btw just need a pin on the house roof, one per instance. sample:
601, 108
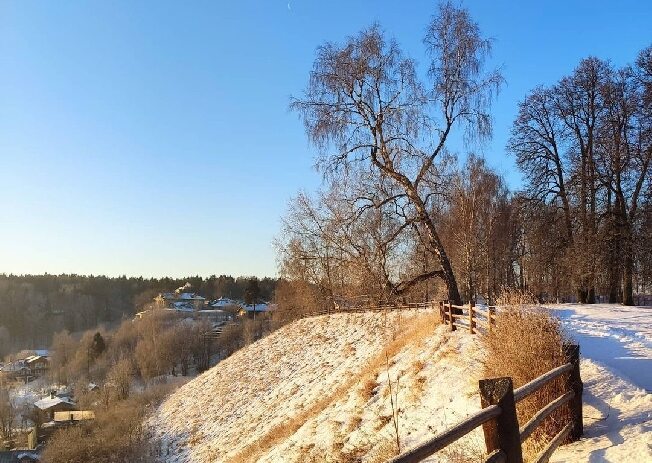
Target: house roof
15, 456
256, 308
50, 402
191, 296
183, 296
14, 366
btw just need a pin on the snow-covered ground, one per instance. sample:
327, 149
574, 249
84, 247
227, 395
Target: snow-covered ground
616, 367
617, 336
318, 390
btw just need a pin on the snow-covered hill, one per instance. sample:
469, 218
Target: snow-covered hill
318, 390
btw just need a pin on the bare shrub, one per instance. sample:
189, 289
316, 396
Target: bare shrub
117, 434
526, 343
516, 297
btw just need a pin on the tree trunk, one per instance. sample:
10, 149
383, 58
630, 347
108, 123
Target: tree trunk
448, 276
628, 271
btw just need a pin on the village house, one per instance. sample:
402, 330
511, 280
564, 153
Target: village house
38, 364
254, 310
183, 301
75, 416
16, 370
53, 403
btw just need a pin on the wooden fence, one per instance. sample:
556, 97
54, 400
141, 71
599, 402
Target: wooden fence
216, 332
474, 319
503, 434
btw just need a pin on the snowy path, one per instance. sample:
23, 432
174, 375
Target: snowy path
616, 348
616, 336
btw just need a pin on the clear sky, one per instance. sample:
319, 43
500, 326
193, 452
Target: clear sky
153, 137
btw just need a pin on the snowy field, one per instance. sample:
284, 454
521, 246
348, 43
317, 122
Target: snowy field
616, 350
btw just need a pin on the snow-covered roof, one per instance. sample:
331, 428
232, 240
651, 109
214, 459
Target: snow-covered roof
183, 307
256, 308
214, 311
182, 297
50, 402
30, 455
223, 302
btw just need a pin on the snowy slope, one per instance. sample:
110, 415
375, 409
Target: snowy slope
317, 390
616, 347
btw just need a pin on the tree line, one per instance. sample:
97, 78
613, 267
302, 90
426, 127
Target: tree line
399, 216
34, 307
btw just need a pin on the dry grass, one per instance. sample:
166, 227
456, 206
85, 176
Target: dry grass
368, 388
526, 343
417, 366
403, 331
382, 451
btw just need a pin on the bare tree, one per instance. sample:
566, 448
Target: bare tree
8, 414
365, 106
585, 146
624, 156
478, 230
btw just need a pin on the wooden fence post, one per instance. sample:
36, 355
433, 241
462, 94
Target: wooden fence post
451, 317
492, 317
574, 383
503, 432
441, 312
471, 322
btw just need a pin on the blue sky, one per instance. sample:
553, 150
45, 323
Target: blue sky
153, 138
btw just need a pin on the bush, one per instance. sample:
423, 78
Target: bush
117, 435
525, 343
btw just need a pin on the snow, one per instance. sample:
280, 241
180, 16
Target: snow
318, 388
256, 307
613, 335
49, 402
616, 368
617, 420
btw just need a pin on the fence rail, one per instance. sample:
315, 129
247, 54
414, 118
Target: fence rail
502, 434
216, 332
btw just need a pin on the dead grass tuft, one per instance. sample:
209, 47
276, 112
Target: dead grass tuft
368, 388
526, 343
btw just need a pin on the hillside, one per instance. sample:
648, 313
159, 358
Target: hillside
317, 390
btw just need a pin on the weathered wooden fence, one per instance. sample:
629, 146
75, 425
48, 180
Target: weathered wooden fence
503, 434
216, 332
474, 319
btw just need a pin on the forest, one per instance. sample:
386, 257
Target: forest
34, 307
